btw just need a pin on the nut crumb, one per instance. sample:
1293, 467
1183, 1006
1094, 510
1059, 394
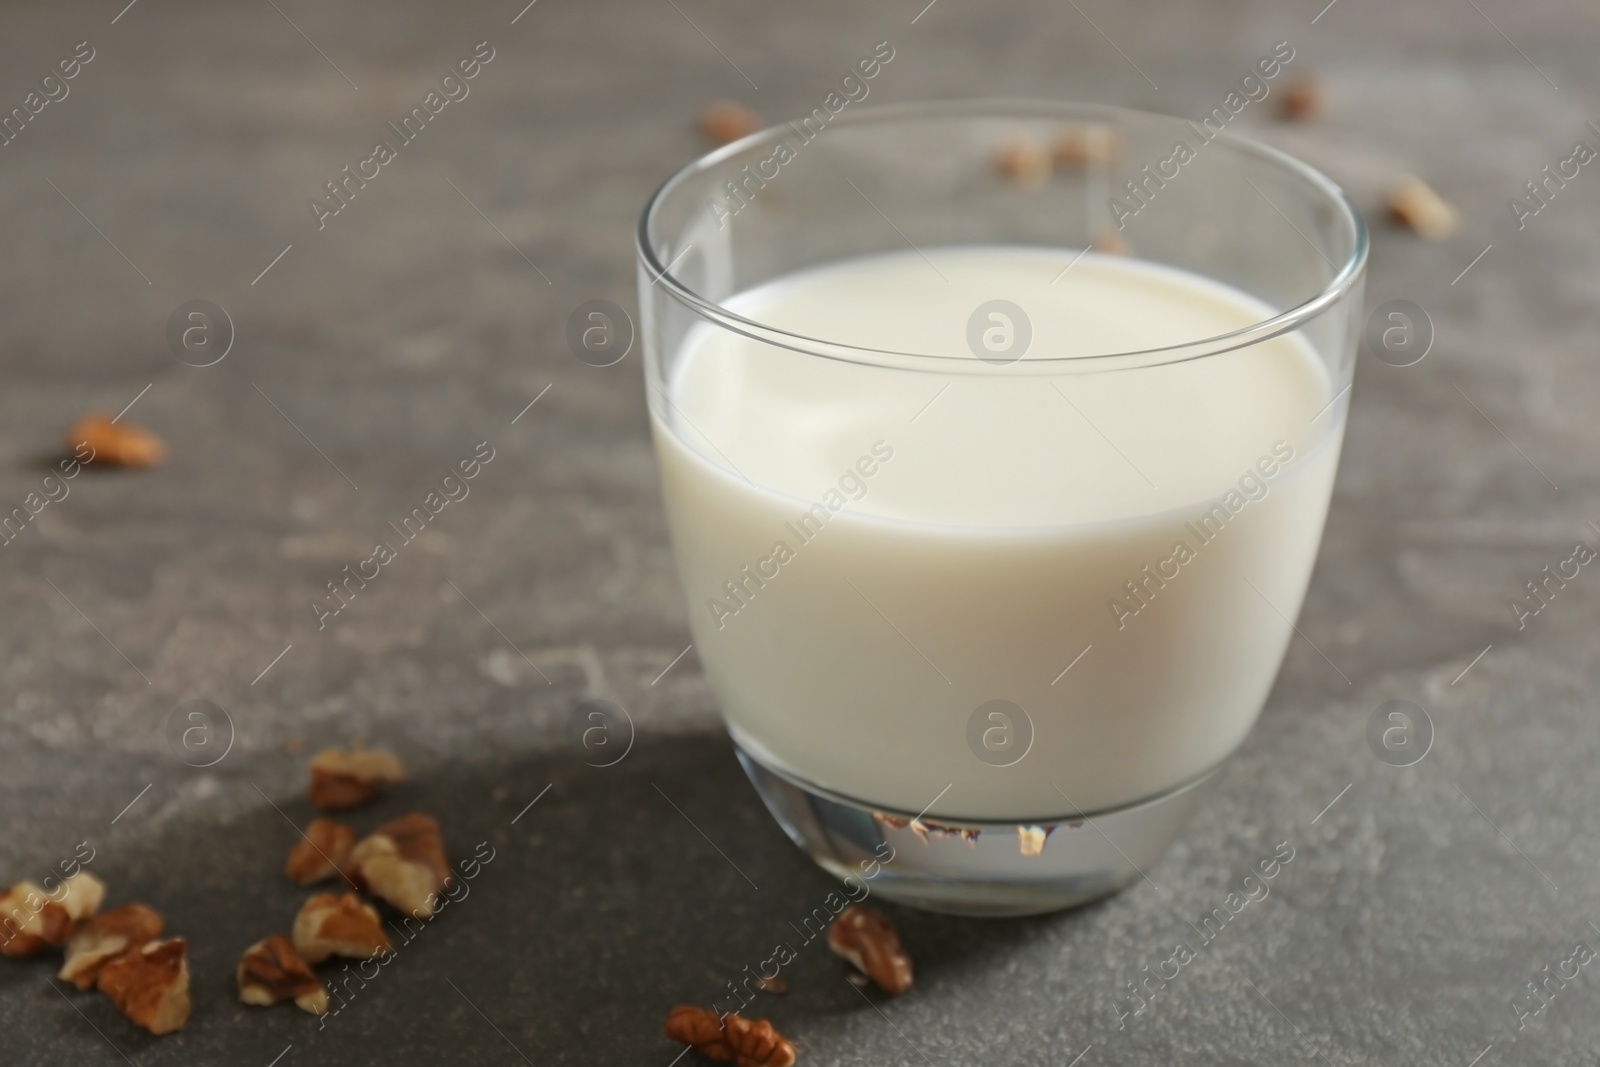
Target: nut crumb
746, 1042
774, 985
1031, 839
330, 925
725, 121
866, 938
271, 970
1077, 147
1023, 161
403, 862
1302, 100
1111, 243
1413, 203
322, 852
342, 779
98, 940
119, 444
150, 985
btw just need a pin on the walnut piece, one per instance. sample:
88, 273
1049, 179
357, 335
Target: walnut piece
348, 779
330, 925
746, 1042
150, 985
1077, 147
120, 444
403, 862
271, 970
1413, 203
1023, 161
865, 937
1111, 243
1302, 100
97, 941
31, 919
724, 121
322, 852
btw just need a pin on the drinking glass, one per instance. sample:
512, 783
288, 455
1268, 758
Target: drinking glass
929, 525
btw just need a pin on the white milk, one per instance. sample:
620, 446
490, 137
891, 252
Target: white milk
966, 545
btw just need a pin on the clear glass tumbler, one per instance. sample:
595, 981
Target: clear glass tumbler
995, 440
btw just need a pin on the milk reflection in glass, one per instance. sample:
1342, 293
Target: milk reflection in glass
870, 555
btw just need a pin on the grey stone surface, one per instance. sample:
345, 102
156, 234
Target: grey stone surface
413, 327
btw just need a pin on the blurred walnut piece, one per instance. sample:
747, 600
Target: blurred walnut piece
1302, 100
866, 938
97, 941
1076, 147
1111, 243
745, 1042
342, 780
150, 985
117, 443
330, 925
1023, 161
322, 852
1413, 203
31, 918
724, 121
404, 863
271, 970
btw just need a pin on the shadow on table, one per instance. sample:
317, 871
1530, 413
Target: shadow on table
619, 893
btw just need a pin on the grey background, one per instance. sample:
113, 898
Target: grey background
409, 329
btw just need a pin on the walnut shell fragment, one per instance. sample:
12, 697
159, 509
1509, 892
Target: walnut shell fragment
322, 852
745, 1042
1413, 203
31, 918
271, 970
341, 779
725, 121
865, 937
119, 444
150, 985
330, 925
95, 942
403, 862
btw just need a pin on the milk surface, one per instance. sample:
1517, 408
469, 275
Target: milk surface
871, 554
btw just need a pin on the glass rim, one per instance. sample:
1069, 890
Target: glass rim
1345, 277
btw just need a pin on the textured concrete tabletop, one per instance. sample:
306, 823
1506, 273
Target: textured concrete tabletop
375, 352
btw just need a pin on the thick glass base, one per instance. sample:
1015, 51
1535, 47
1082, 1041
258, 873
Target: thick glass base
986, 868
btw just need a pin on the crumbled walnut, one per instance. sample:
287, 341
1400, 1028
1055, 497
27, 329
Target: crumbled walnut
1413, 203
150, 985
31, 919
774, 985
1302, 100
1030, 840
865, 937
94, 942
120, 444
271, 970
1077, 147
1111, 243
746, 1042
322, 852
342, 780
1023, 161
330, 925
724, 121
403, 862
